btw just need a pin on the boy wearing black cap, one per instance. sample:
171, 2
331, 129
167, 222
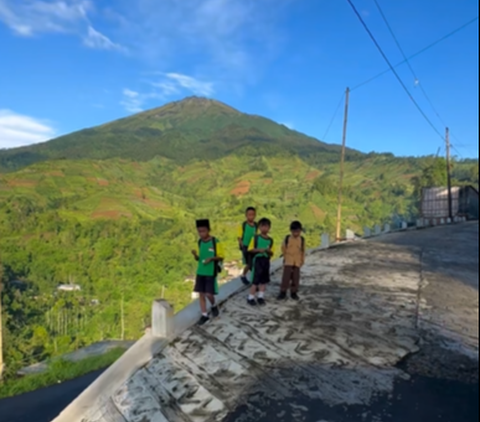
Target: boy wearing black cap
209, 255
261, 248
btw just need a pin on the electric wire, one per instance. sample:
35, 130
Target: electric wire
428, 47
394, 71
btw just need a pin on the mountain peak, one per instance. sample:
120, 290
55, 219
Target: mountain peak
199, 103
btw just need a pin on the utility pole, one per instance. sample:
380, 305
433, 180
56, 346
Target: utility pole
342, 161
449, 176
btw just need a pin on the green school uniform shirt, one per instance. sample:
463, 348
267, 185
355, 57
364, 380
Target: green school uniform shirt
262, 243
247, 236
205, 251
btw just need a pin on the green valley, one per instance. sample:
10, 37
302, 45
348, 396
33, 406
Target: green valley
111, 209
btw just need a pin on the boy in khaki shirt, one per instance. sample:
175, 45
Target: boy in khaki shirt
293, 249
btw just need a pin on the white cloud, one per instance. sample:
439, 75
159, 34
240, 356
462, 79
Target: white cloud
18, 130
31, 17
95, 39
162, 89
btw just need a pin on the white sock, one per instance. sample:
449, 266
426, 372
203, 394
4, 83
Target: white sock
261, 295
251, 297
205, 314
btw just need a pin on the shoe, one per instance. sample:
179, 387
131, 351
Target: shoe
215, 311
245, 280
294, 296
251, 302
203, 320
261, 301
282, 296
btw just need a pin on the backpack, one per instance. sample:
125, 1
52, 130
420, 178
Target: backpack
218, 266
303, 242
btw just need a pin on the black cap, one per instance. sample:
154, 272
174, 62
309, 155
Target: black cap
203, 223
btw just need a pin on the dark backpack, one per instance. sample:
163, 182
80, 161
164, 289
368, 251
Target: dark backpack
218, 267
287, 238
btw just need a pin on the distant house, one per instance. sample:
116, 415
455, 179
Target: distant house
69, 288
434, 203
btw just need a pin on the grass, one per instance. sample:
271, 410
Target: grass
58, 372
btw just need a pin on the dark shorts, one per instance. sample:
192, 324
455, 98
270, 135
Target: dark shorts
261, 271
206, 284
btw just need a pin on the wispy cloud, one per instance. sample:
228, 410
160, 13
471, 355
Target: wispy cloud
95, 39
18, 130
231, 39
164, 86
32, 17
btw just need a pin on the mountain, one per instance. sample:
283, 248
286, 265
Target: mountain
193, 128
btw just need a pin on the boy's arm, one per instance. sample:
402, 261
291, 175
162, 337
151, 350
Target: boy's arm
220, 252
251, 247
240, 235
271, 250
303, 252
196, 253
284, 248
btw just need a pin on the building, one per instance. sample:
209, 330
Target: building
69, 288
434, 203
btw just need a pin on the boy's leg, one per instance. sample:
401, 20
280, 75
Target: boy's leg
255, 281
211, 291
200, 288
295, 282
263, 280
203, 303
246, 266
286, 277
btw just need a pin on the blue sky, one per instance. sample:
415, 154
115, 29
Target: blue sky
71, 64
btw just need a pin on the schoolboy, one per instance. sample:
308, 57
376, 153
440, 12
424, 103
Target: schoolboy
261, 248
209, 254
246, 231
293, 250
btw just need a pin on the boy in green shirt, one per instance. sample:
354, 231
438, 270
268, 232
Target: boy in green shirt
261, 248
209, 255
246, 231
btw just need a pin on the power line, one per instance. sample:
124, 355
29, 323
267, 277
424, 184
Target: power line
428, 47
417, 82
393, 70
333, 117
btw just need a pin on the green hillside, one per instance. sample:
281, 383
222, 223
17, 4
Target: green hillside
112, 209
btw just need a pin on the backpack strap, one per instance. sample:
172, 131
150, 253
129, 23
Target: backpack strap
244, 225
217, 267
287, 238
255, 241
303, 244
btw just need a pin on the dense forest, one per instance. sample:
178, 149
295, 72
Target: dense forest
121, 228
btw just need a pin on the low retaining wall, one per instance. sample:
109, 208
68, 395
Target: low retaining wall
166, 326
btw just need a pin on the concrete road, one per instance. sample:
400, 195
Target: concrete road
45, 404
442, 378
